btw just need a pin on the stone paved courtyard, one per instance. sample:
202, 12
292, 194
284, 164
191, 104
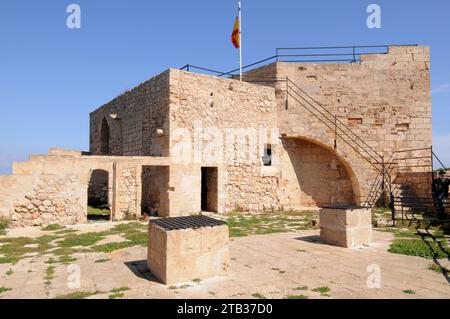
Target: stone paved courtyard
281, 265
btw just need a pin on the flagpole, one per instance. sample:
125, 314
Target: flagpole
240, 41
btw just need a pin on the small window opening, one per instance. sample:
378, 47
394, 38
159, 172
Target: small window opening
267, 157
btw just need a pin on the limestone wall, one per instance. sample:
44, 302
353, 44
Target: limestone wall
203, 102
385, 100
51, 189
141, 112
155, 184
312, 176
53, 199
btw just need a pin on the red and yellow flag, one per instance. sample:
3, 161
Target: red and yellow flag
235, 37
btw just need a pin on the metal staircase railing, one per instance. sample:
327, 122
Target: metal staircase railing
409, 206
352, 54
347, 135
340, 130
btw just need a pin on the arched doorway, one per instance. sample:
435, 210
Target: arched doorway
98, 196
313, 175
104, 138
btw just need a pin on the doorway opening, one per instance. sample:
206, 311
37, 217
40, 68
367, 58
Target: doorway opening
155, 191
209, 192
98, 196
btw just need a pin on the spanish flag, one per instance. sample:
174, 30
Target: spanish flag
235, 36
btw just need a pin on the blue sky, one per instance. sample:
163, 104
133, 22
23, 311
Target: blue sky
51, 77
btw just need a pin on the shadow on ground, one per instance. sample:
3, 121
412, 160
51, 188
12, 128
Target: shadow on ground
99, 218
139, 269
315, 239
436, 261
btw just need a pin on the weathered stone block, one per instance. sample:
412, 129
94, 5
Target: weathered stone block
346, 226
182, 255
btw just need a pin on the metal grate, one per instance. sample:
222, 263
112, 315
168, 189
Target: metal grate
186, 222
343, 207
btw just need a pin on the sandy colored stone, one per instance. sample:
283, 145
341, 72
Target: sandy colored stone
183, 255
346, 226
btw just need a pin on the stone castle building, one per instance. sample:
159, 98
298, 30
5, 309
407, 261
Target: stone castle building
322, 134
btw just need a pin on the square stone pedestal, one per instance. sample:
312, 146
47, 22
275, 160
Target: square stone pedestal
346, 226
185, 248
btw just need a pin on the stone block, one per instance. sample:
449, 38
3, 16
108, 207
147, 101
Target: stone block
182, 255
346, 226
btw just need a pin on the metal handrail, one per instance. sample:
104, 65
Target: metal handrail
279, 56
355, 53
440, 162
349, 47
336, 120
187, 67
331, 127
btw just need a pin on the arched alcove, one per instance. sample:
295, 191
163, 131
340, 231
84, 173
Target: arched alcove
314, 175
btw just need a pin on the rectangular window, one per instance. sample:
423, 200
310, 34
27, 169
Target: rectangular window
267, 157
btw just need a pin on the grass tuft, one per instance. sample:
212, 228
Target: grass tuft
420, 248
49, 275
258, 296
110, 247
52, 227
321, 290
100, 261
438, 268
3, 289
138, 239
297, 297
121, 289
301, 288
77, 295
270, 222
87, 239
66, 231
65, 259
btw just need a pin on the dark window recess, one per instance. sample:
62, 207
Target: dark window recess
267, 157
209, 191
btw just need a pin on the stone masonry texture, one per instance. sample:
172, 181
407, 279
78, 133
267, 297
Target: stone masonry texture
384, 100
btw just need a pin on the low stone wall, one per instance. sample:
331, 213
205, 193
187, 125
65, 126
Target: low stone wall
54, 200
54, 189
